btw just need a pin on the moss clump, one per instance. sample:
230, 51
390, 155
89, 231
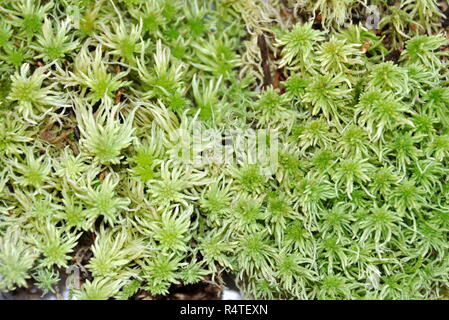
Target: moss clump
164, 143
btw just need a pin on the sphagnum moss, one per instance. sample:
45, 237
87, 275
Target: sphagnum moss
100, 103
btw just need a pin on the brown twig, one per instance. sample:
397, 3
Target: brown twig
261, 42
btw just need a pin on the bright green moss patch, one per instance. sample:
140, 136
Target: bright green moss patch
156, 144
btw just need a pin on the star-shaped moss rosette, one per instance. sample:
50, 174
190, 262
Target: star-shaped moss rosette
155, 144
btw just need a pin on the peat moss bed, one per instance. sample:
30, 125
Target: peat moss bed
162, 149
